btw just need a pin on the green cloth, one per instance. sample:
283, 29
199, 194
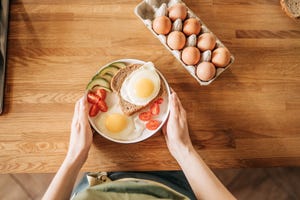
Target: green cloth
129, 190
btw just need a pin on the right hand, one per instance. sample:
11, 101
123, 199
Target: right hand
176, 130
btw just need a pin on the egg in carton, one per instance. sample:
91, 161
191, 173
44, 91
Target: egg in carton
205, 63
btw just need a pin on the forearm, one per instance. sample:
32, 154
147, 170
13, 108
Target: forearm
202, 180
63, 182
80, 142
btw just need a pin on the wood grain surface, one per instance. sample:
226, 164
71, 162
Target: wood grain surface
248, 117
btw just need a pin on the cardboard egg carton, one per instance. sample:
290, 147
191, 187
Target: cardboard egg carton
147, 10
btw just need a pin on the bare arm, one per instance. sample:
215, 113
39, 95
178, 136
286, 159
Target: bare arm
202, 180
80, 142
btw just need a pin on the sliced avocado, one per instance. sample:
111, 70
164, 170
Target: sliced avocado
120, 65
101, 87
107, 77
99, 82
109, 70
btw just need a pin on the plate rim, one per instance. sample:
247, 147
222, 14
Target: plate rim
138, 139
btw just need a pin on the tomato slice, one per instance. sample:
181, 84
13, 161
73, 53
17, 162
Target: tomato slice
102, 106
145, 116
93, 110
92, 98
101, 93
159, 100
154, 108
153, 124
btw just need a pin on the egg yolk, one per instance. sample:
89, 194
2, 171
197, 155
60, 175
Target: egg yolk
144, 87
116, 122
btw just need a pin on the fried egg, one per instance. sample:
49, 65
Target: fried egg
116, 125
141, 86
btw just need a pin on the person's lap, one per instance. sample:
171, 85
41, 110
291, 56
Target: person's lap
173, 179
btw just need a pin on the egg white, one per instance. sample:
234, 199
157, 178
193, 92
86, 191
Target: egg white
131, 131
128, 92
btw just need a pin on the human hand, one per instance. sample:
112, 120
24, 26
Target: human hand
176, 130
81, 133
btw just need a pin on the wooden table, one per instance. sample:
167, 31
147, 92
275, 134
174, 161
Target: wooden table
248, 117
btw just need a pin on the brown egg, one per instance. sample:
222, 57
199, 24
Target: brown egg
191, 26
176, 40
190, 55
206, 41
205, 71
221, 57
162, 25
177, 11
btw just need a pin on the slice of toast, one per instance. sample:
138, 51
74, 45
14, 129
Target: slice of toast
291, 8
116, 84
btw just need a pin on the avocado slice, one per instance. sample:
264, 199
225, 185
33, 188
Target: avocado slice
108, 70
103, 77
120, 65
99, 82
107, 77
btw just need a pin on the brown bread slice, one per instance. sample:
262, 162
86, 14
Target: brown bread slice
116, 84
291, 8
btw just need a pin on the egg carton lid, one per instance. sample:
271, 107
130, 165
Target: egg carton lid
146, 12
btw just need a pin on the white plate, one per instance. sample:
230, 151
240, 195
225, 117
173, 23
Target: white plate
164, 110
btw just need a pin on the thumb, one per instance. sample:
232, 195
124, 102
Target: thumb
164, 129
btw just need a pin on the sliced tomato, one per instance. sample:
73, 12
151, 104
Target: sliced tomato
101, 93
145, 116
154, 108
94, 110
153, 124
159, 100
92, 97
102, 106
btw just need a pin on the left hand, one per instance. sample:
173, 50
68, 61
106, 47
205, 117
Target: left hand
80, 143
81, 133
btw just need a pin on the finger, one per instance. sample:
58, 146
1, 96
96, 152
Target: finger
174, 112
172, 91
172, 106
76, 113
183, 112
174, 101
76, 109
164, 127
81, 108
86, 114
177, 100
84, 108
164, 131
180, 107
